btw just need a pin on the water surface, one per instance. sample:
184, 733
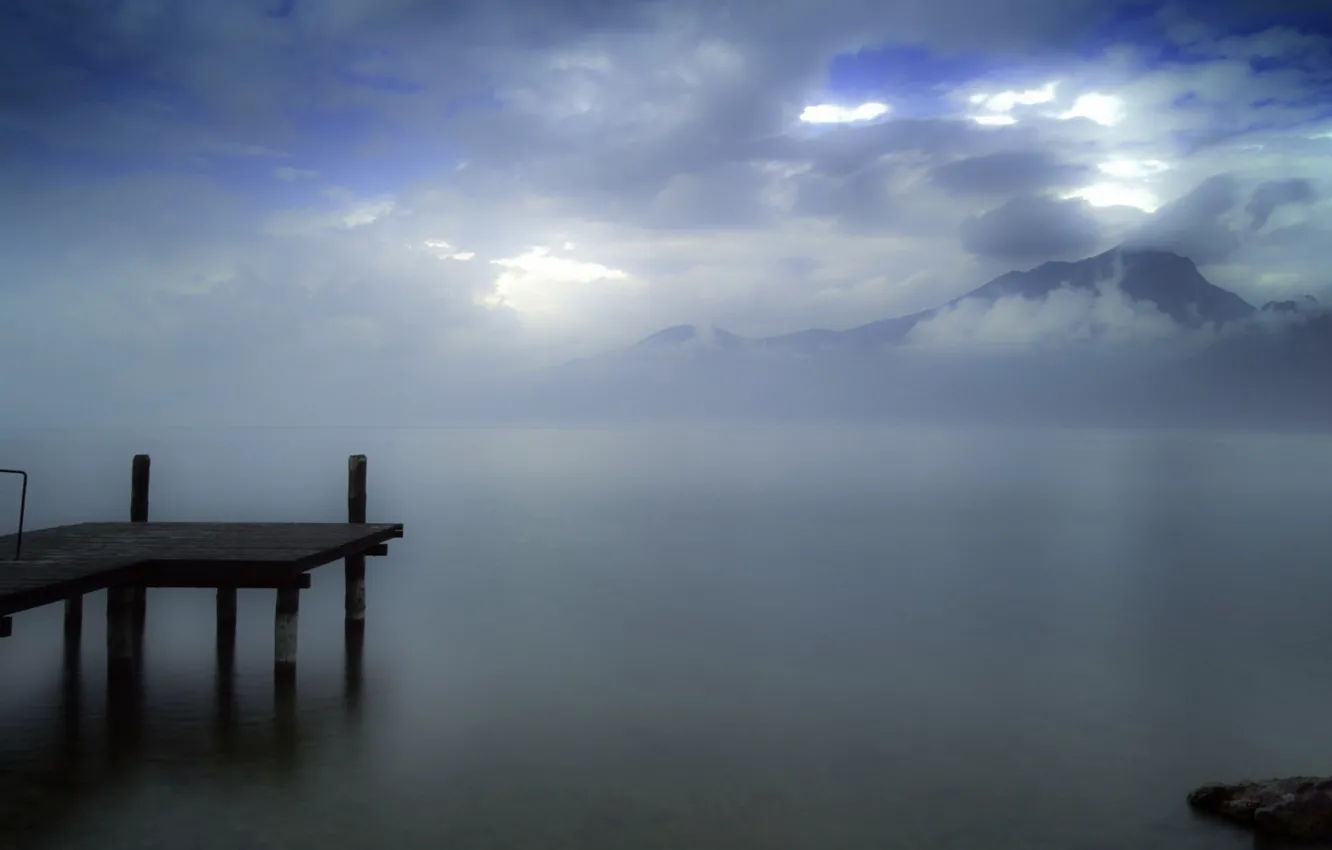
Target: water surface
698, 638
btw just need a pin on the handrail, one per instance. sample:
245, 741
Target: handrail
23, 507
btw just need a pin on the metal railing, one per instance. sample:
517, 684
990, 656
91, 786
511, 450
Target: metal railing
23, 508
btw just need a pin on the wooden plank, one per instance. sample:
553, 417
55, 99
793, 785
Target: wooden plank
230, 540
64, 580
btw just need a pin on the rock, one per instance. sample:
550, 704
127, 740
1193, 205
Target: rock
1298, 807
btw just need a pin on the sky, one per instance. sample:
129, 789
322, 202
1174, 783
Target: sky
243, 200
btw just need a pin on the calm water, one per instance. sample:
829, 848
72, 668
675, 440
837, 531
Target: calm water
702, 638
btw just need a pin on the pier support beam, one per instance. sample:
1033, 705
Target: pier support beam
224, 691
73, 629
120, 640
139, 478
354, 565
284, 632
226, 627
73, 620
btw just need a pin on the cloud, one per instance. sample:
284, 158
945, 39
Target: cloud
1009, 173
1197, 225
1103, 315
348, 212
292, 175
154, 157
1033, 228
1270, 196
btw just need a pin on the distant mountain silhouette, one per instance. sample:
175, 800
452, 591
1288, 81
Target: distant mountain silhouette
1238, 365
1170, 282
686, 334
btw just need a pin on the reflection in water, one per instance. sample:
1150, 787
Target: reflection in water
353, 656
286, 726
124, 711
54, 761
71, 693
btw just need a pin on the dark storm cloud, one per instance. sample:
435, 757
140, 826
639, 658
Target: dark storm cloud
1196, 226
1009, 173
1267, 197
1033, 228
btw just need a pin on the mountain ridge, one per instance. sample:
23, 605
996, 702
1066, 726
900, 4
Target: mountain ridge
1172, 283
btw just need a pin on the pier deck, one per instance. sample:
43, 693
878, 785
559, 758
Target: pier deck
68, 560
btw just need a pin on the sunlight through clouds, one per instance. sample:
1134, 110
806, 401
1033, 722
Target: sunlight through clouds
1117, 195
1106, 110
536, 284
1005, 101
445, 251
998, 106
827, 113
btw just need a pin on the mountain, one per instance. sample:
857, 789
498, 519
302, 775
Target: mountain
1239, 365
682, 335
1168, 281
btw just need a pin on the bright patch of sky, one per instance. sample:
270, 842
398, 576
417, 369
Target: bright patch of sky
827, 113
540, 286
1117, 195
1104, 109
445, 251
1004, 101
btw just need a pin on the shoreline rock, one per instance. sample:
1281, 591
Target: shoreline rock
1297, 808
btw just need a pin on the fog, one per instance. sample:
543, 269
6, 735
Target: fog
706, 634
851, 424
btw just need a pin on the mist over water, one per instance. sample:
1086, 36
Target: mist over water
698, 637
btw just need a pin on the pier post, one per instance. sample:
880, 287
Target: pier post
73, 623
354, 565
139, 513
226, 627
119, 632
284, 632
225, 696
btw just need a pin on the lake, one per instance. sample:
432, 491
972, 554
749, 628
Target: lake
694, 637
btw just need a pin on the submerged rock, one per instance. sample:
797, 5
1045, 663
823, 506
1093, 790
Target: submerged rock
1298, 807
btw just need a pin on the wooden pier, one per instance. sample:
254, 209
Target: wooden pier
127, 558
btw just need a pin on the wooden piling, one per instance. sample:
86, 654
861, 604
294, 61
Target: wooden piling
354, 565
73, 630
226, 626
73, 620
226, 610
225, 696
139, 478
139, 488
285, 631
